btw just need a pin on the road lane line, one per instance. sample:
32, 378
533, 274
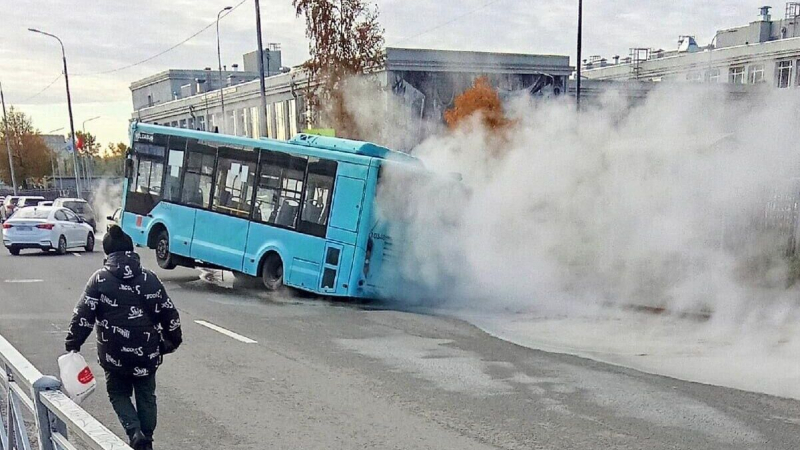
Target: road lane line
228, 333
23, 281
77, 254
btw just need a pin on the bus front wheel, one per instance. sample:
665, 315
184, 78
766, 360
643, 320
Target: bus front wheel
163, 256
272, 272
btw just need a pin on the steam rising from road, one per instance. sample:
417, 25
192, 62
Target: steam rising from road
668, 203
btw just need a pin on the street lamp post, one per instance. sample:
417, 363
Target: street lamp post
69, 107
580, 45
219, 61
86, 169
263, 122
8, 142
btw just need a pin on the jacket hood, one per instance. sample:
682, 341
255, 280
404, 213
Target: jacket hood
124, 266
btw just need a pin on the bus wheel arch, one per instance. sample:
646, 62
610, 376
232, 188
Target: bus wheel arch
271, 270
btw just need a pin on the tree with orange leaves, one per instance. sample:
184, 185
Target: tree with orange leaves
481, 99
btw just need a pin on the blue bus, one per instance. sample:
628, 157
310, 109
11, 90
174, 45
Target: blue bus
300, 213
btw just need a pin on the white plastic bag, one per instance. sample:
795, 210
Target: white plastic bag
76, 376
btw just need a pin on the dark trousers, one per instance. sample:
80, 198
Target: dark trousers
144, 416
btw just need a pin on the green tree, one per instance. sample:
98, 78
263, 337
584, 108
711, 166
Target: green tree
111, 161
91, 147
31, 156
346, 40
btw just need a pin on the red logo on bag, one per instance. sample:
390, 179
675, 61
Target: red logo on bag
86, 376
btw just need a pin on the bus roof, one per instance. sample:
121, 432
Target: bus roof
351, 146
345, 149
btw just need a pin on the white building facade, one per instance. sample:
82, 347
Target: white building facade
766, 52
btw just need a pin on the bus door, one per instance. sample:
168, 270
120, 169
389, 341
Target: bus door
220, 234
178, 219
346, 212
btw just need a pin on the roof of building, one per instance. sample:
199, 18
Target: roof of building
187, 74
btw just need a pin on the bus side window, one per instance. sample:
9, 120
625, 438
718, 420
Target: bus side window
197, 181
319, 192
280, 189
234, 187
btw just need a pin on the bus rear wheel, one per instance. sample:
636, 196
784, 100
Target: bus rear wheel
272, 272
164, 258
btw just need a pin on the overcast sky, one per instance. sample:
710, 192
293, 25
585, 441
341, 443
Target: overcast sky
103, 35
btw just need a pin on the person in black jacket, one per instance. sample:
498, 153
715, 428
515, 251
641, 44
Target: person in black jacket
136, 324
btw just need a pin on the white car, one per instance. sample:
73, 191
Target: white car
46, 228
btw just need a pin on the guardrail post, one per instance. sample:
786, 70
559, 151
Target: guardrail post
46, 423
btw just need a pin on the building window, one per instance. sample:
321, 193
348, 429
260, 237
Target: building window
292, 118
798, 73
755, 74
784, 72
270, 121
280, 121
183, 123
712, 76
201, 123
694, 77
255, 122
241, 122
736, 75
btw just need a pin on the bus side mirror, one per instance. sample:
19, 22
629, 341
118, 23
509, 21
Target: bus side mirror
128, 168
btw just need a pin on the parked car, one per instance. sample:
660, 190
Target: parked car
80, 207
29, 200
46, 228
8, 206
114, 218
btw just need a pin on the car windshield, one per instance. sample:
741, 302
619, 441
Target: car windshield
32, 213
13, 201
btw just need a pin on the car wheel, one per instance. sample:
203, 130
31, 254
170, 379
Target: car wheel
13, 250
163, 256
89, 243
62, 246
272, 272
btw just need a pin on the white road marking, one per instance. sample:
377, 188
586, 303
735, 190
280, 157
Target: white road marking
228, 333
77, 254
23, 281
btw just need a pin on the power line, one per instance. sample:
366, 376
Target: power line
449, 22
118, 69
42, 91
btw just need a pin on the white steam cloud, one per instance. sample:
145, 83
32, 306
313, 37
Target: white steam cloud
668, 203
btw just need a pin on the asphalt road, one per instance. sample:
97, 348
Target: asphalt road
329, 375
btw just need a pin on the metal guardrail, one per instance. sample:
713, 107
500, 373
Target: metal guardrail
53, 412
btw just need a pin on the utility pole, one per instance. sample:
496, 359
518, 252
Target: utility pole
580, 45
221, 85
263, 122
69, 108
8, 143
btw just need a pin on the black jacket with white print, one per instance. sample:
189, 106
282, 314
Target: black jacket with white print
130, 309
